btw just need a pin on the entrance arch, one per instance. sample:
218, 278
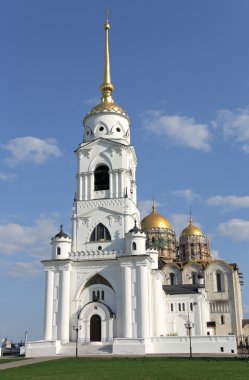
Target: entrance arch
95, 328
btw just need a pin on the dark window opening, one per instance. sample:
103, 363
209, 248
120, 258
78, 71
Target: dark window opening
194, 278
101, 178
102, 295
172, 278
179, 307
58, 251
183, 307
191, 306
171, 307
218, 280
100, 233
134, 246
222, 320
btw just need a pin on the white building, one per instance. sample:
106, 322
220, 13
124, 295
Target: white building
105, 283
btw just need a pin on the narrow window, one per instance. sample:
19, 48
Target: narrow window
134, 246
100, 233
222, 319
183, 307
98, 295
101, 178
194, 278
58, 251
102, 295
179, 307
172, 278
218, 282
94, 296
191, 306
172, 307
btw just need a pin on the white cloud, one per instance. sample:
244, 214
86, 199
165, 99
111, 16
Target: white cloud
32, 240
24, 269
179, 222
179, 130
236, 229
231, 201
30, 150
7, 176
187, 194
215, 254
145, 207
20, 269
235, 125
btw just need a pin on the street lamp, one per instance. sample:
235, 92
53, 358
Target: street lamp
77, 328
189, 325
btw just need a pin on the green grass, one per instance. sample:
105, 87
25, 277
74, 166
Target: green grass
132, 368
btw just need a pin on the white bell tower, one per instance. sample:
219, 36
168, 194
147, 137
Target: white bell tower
105, 207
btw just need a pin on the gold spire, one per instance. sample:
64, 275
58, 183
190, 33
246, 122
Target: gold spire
107, 87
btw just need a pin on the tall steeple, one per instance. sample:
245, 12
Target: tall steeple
107, 87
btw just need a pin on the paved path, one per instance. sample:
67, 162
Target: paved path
20, 363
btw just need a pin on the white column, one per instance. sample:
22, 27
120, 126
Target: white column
85, 185
74, 232
144, 301
116, 184
111, 183
121, 174
64, 305
158, 306
49, 296
127, 302
80, 186
91, 180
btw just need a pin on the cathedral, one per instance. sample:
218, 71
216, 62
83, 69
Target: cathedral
123, 286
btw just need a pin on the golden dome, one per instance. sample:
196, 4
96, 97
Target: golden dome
191, 230
155, 220
108, 107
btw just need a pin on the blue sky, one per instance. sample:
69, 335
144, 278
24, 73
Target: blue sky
180, 69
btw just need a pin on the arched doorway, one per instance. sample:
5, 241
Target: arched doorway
95, 328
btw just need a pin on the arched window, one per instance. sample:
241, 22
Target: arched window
194, 278
101, 178
220, 282
58, 250
100, 233
172, 278
134, 246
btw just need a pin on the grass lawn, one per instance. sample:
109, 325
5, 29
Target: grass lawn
132, 368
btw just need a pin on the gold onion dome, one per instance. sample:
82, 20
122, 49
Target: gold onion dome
107, 102
155, 220
191, 230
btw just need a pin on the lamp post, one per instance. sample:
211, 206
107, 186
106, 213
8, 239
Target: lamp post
77, 328
189, 325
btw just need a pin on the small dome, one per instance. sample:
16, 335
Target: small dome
191, 230
61, 234
155, 220
135, 229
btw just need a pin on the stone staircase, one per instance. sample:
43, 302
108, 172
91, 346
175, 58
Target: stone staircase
87, 349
